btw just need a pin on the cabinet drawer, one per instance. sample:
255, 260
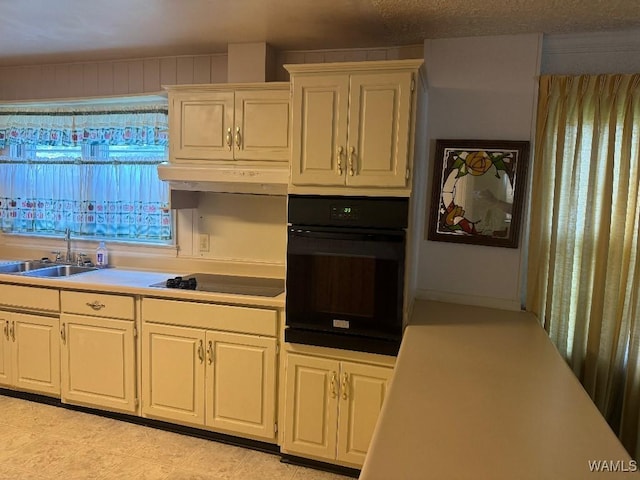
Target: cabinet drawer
32, 298
258, 321
98, 304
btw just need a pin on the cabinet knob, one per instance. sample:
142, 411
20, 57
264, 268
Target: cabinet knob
345, 385
96, 305
340, 150
238, 138
201, 352
210, 352
63, 333
6, 329
352, 152
332, 385
12, 331
229, 138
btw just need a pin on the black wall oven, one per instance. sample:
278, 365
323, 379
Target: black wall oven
345, 272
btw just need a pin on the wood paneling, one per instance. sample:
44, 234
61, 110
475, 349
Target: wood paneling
122, 77
148, 75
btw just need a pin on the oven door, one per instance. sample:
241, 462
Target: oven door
345, 281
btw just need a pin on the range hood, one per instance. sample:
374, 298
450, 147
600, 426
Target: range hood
231, 177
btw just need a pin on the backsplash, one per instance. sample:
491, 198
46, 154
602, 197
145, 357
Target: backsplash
238, 227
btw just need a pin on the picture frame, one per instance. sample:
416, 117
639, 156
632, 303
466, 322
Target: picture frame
478, 191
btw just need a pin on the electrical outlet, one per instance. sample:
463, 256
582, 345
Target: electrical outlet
204, 242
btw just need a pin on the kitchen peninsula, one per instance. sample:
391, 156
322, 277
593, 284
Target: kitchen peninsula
480, 393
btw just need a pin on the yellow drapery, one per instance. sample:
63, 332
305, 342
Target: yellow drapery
584, 265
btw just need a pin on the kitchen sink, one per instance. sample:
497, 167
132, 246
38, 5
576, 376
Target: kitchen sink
23, 266
59, 271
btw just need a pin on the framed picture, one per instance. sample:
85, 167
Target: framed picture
478, 190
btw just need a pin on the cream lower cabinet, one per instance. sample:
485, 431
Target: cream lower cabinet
30, 353
98, 355
215, 379
331, 408
98, 362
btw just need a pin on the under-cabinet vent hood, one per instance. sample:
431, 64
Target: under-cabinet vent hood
226, 178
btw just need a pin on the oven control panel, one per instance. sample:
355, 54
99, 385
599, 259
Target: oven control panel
344, 212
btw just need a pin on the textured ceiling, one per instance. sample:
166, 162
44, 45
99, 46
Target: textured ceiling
48, 31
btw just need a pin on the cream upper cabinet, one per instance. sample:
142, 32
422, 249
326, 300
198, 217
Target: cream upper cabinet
331, 407
30, 353
353, 124
226, 122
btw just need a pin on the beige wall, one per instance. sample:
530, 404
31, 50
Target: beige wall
240, 227
479, 88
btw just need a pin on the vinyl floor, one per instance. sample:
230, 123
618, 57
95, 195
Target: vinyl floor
39, 441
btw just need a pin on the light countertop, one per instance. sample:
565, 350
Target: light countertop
137, 282
480, 393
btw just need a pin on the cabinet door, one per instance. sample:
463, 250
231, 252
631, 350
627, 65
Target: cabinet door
5, 349
173, 373
319, 140
261, 130
241, 386
98, 362
362, 392
200, 126
379, 129
36, 353
311, 406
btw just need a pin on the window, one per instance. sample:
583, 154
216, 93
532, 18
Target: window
90, 168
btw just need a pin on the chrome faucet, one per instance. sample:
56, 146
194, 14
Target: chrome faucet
67, 239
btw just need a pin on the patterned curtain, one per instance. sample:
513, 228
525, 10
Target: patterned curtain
61, 127
112, 198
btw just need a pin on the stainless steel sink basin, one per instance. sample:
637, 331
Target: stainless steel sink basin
59, 271
23, 266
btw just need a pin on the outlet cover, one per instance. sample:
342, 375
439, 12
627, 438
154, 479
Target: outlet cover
204, 242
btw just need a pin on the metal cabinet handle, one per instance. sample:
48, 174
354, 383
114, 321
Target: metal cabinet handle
96, 305
238, 138
210, 352
332, 385
229, 138
345, 385
12, 331
201, 352
63, 334
352, 152
340, 150
6, 329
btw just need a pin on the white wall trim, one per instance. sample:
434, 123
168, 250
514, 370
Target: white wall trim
491, 302
601, 42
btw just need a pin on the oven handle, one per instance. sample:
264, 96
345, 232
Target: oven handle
346, 235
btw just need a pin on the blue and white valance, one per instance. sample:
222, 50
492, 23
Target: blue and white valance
66, 125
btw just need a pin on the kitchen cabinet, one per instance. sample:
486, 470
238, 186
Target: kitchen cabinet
353, 124
331, 407
229, 122
210, 366
30, 353
29, 341
98, 358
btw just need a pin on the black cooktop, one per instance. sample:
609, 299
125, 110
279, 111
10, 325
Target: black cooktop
206, 282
